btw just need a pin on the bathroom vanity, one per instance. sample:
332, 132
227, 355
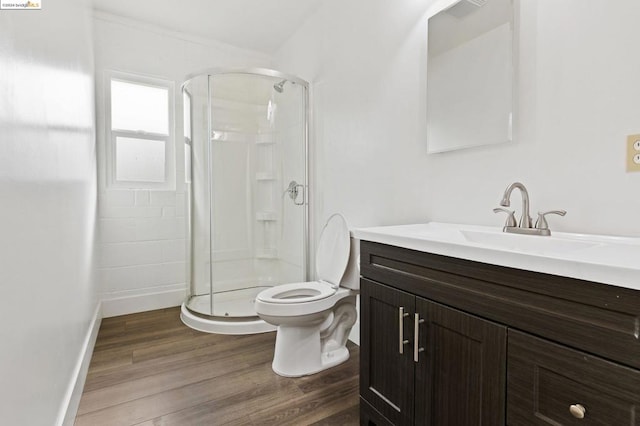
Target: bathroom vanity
462, 326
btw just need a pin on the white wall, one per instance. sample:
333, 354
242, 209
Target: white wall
578, 97
365, 60
142, 261
47, 208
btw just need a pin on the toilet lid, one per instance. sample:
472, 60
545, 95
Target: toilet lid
333, 250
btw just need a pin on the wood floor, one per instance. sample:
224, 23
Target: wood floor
149, 369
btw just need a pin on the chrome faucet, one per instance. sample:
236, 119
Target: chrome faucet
525, 220
524, 226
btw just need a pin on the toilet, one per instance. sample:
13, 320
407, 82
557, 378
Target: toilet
314, 318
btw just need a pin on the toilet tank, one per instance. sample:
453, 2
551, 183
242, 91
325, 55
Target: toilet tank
351, 277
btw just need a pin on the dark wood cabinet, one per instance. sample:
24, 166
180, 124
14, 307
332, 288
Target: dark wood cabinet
425, 363
495, 345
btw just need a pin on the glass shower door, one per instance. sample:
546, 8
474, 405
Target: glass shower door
249, 192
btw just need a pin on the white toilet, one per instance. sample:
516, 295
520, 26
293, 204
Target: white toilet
314, 318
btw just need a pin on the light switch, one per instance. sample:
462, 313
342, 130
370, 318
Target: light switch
633, 153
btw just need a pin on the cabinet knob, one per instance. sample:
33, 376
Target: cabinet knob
577, 411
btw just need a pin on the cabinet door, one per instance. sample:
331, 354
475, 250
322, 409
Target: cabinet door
460, 375
386, 365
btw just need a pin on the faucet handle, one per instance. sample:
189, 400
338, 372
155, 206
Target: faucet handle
511, 218
541, 223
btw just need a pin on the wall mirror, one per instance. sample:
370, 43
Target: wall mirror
469, 74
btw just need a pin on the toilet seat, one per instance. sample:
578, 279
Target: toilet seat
275, 308
297, 292
332, 258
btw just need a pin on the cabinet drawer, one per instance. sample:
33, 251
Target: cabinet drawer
545, 379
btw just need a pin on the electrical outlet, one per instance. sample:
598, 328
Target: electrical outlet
633, 153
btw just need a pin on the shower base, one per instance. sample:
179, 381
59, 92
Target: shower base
233, 313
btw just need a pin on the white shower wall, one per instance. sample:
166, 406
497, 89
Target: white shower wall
223, 227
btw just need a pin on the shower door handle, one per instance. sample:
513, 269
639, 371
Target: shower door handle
301, 203
293, 190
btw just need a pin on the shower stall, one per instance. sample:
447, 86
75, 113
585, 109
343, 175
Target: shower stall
246, 151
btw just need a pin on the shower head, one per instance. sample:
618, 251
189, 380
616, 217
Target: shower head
279, 87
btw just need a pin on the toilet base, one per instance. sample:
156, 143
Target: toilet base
298, 352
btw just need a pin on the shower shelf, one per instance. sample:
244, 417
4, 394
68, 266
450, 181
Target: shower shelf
265, 176
267, 253
265, 139
229, 136
266, 216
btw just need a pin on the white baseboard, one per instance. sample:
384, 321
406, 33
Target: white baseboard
130, 302
69, 408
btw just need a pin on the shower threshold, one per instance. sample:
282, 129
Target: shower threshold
233, 313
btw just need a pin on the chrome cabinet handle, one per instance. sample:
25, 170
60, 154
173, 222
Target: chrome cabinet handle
577, 411
416, 334
401, 341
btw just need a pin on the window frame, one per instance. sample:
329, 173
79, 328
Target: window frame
111, 135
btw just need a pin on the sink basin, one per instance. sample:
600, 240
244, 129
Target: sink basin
527, 243
605, 259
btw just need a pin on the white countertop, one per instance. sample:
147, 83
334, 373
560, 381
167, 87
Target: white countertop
604, 259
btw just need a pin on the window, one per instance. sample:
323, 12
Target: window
139, 132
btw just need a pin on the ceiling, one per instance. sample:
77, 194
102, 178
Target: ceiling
260, 25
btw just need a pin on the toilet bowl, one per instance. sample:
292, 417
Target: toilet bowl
314, 318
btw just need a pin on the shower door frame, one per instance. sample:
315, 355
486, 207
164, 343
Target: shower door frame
259, 72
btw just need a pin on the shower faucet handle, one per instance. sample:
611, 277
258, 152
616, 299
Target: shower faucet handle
293, 190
